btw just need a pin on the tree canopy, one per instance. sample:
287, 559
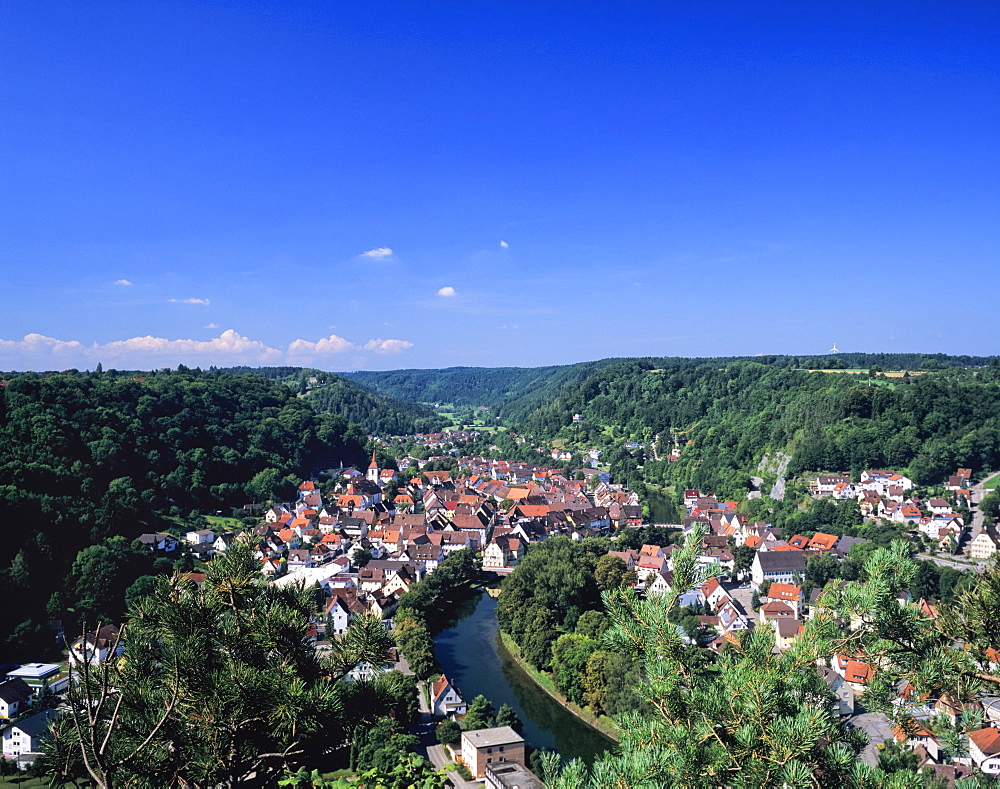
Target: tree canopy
215, 685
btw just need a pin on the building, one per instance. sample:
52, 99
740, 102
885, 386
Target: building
510, 775
984, 749
24, 738
15, 697
96, 647
41, 677
784, 567
446, 700
491, 746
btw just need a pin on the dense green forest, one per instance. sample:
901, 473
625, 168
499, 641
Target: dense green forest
378, 414
472, 386
551, 607
90, 461
734, 414
513, 391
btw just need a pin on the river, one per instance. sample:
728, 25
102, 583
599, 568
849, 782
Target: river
475, 660
662, 508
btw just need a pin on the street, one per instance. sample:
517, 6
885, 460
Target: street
878, 728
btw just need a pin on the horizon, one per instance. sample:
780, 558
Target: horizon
252, 368
500, 185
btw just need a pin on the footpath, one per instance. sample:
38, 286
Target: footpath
435, 752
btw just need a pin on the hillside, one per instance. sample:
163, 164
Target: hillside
376, 413
735, 412
90, 461
471, 387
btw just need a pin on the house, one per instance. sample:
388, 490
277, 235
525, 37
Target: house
984, 749
826, 484
96, 647
15, 697
916, 735
659, 584
159, 542
858, 674
822, 542
789, 594
366, 672
777, 566
202, 536
299, 558
445, 699
841, 689
984, 544
511, 775
224, 542
338, 616
491, 746
25, 736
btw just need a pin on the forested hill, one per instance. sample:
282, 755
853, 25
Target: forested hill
473, 386
378, 414
512, 392
85, 457
735, 413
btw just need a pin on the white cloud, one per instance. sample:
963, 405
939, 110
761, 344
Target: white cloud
387, 346
211, 325
123, 282
39, 352
229, 344
378, 254
39, 344
203, 302
504, 245
327, 345
447, 292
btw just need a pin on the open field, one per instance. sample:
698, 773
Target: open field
855, 371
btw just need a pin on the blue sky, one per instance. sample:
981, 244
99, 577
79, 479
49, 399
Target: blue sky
380, 185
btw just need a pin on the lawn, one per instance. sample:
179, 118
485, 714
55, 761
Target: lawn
992, 484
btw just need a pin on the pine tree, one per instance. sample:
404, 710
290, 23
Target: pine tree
214, 684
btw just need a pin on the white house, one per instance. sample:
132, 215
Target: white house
200, 537
96, 647
984, 749
15, 697
445, 700
25, 736
779, 566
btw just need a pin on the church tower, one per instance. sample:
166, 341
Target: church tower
373, 470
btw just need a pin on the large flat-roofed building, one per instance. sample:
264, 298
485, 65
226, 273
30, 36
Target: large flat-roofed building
510, 775
491, 746
42, 676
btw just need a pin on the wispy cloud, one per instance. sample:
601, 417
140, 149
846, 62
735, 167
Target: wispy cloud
124, 282
211, 325
504, 245
378, 254
202, 302
447, 292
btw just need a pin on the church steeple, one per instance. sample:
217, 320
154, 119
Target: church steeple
373, 470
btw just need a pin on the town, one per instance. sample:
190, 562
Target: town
366, 537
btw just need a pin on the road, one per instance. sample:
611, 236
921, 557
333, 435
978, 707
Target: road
879, 730
978, 494
942, 562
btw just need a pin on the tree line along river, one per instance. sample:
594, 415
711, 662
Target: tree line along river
474, 659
